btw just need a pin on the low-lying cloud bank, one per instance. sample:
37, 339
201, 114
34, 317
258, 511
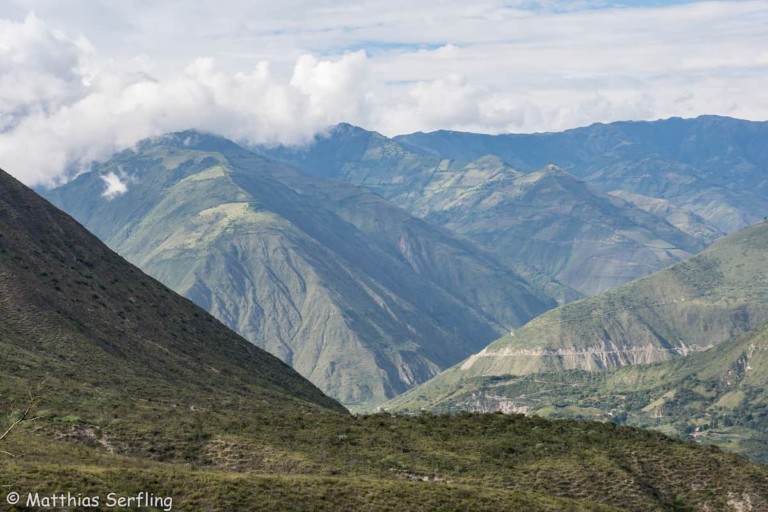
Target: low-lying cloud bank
63, 105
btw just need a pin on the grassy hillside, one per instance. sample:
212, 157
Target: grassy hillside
321, 462
714, 397
136, 389
692, 306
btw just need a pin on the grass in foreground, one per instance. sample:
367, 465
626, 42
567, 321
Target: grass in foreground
209, 461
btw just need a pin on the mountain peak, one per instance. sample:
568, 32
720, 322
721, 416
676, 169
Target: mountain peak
492, 166
488, 160
349, 130
550, 171
554, 169
189, 139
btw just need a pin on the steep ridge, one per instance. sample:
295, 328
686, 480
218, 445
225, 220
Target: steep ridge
556, 223
545, 223
684, 220
689, 307
713, 166
352, 154
357, 295
349, 154
93, 327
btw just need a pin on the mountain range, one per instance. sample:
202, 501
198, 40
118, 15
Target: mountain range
713, 166
357, 295
370, 263
505, 193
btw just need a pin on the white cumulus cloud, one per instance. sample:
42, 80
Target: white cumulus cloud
87, 113
115, 186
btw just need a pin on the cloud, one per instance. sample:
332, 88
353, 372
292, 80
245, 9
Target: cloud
283, 72
39, 69
115, 186
92, 112
333, 90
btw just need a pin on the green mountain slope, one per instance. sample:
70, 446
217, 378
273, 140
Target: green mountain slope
145, 392
717, 396
354, 293
545, 223
692, 306
713, 166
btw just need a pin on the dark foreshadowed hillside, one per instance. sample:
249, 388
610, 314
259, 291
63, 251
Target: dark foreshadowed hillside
97, 329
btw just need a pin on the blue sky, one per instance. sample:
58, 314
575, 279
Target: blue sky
80, 79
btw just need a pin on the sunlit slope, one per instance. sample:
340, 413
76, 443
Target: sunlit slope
690, 307
717, 396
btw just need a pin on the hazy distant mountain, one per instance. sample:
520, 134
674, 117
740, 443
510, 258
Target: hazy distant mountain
689, 307
357, 295
555, 223
546, 222
716, 167
684, 220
